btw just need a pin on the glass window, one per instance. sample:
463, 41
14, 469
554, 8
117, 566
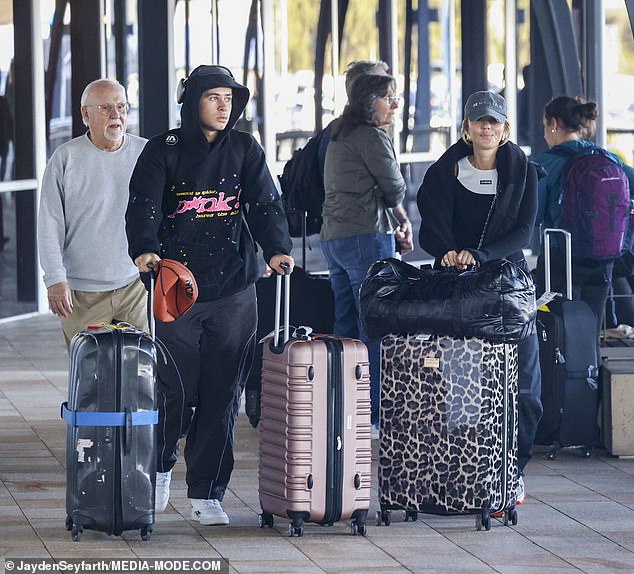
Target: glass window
14, 202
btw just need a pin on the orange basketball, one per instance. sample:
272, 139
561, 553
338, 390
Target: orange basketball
175, 290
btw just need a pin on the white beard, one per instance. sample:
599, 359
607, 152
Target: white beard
113, 134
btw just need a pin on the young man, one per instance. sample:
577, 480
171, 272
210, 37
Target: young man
202, 195
81, 235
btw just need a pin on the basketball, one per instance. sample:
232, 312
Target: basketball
175, 290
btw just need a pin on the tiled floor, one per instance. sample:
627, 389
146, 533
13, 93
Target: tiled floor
10, 303
579, 514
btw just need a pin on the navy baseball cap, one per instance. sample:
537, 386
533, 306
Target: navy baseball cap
481, 104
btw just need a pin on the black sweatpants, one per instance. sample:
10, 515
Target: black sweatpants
211, 349
529, 400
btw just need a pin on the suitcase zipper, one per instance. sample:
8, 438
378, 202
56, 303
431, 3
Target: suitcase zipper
507, 427
117, 501
552, 361
334, 463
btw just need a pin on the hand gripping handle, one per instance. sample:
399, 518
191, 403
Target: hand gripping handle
278, 305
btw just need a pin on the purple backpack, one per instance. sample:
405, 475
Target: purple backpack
595, 205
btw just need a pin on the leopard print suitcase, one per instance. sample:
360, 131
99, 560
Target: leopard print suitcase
449, 427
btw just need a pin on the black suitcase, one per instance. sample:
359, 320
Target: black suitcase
110, 447
312, 303
568, 359
448, 442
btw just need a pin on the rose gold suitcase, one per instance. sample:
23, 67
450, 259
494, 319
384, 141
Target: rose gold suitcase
315, 451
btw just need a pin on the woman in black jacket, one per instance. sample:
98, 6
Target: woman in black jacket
478, 203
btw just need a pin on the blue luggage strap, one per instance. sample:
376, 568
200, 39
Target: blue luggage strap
107, 419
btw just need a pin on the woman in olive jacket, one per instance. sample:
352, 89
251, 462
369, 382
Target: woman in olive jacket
363, 219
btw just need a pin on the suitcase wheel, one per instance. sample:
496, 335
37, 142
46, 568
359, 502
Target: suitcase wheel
76, 532
146, 533
358, 528
510, 515
69, 523
265, 519
295, 529
383, 517
411, 515
483, 520
252, 406
551, 455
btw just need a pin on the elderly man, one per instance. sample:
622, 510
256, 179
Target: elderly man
81, 227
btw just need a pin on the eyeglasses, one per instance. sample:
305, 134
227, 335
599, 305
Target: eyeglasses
392, 99
107, 109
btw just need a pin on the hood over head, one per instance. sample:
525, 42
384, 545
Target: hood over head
201, 79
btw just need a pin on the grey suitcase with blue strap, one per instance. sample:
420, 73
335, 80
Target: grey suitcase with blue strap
111, 416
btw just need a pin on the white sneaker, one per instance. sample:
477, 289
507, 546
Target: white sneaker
520, 493
208, 512
162, 492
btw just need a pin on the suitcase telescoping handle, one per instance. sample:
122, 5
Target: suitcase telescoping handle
278, 305
150, 277
547, 269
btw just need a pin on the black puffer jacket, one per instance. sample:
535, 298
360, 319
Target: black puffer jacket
513, 217
207, 204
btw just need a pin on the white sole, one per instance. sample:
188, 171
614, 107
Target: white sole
215, 522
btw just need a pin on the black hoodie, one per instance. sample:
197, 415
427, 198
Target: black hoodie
204, 204
513, 218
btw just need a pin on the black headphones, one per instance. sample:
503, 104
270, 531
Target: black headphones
200, 71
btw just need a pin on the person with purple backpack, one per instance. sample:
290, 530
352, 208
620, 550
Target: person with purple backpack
569, 123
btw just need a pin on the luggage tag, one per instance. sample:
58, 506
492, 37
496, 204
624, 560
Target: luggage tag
121, 326
303, 332
547, 297
268, 336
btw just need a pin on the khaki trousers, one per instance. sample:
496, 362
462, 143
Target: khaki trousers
127, 304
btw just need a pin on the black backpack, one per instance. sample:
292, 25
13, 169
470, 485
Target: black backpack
302, 184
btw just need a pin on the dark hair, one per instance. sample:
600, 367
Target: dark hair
358, 68
361, 106
573, 114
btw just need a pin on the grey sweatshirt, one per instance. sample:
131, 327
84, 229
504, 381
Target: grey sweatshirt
81, 222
